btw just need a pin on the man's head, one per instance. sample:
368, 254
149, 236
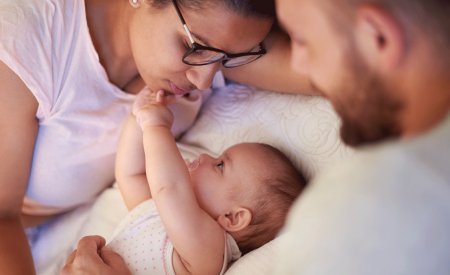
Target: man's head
248, 190
381, 63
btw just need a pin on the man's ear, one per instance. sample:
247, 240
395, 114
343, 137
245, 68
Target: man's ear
380, 38
236, 219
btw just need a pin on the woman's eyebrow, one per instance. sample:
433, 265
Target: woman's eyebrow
200, 39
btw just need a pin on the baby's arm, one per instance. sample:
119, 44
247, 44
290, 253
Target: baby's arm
130, 165
197, 238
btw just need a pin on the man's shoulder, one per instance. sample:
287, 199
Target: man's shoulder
394, 163
392, 174
384, 205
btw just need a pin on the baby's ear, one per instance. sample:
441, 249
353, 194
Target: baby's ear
235, 220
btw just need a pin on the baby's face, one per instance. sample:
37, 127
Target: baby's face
229, 180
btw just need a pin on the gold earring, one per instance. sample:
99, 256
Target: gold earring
135, 3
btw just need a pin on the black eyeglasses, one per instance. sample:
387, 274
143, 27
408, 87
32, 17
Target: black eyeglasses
199, 55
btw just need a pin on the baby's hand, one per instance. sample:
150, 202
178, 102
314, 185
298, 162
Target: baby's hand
150, 109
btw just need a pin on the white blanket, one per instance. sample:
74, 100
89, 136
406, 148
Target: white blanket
305, 128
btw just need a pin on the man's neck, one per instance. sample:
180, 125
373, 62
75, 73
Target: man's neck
428, 104
421, 79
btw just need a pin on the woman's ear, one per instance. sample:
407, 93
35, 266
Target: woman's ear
236, 219
380, 38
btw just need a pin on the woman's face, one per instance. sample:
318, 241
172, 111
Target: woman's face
158, 43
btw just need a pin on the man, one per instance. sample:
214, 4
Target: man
385, 66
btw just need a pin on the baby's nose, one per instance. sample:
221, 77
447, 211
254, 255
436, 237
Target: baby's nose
204, 158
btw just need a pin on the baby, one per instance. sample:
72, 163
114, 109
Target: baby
202, 213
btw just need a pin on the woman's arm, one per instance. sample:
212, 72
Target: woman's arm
18, 130
272, 71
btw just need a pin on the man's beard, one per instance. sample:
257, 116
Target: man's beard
368, 110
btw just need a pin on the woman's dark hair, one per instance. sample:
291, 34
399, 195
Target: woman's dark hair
260, 8
257, 8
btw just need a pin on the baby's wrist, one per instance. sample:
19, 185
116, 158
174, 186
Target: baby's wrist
145, 120
151, 128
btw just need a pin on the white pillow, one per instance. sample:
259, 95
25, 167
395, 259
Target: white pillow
304, 127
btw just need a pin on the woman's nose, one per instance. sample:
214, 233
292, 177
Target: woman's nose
202, 76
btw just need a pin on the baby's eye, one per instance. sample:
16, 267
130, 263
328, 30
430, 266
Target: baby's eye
220, 164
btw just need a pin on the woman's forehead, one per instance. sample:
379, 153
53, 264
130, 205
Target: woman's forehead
222, 28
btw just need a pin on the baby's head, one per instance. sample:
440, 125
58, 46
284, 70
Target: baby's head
248, 190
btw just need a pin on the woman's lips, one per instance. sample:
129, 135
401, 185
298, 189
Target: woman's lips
177, 90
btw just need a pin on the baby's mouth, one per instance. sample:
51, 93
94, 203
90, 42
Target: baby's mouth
192, 165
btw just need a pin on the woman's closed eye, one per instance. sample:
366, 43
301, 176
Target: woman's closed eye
186, 45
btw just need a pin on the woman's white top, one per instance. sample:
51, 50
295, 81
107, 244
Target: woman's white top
48, 45
142, 241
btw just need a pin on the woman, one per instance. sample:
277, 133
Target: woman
69, 69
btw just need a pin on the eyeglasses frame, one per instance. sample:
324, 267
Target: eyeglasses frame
227, 56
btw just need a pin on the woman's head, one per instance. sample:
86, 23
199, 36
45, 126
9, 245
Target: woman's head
159, 41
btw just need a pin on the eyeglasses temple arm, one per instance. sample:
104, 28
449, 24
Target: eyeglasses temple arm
188, 32
186, 29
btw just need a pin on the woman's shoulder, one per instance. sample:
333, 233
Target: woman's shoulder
35, 39
19, 16
27, 17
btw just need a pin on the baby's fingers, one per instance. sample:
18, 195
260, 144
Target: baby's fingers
160, 96
146, 96
164, 98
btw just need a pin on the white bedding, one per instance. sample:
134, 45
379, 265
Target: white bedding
306, 128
